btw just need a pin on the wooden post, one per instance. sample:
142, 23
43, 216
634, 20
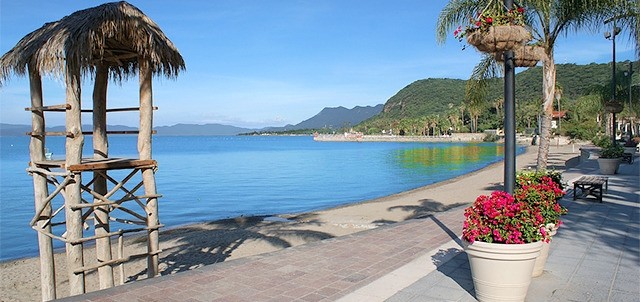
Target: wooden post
73, 190
101, 150
144, 151
40, 188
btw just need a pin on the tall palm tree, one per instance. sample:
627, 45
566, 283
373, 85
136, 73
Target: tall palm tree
548, 20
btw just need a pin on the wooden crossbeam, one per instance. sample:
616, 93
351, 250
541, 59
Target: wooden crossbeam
114, 262
46, 202
112, 164
65, 107
71, 135
114, 204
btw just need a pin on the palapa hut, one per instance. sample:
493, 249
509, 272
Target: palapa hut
111, 41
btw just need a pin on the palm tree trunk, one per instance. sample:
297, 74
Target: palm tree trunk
548, 94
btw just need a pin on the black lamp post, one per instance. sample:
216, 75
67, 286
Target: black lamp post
612, 36
509, 118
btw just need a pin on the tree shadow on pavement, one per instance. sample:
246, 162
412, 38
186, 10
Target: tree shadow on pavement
426, 208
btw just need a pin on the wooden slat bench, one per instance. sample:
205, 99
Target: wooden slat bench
591, 185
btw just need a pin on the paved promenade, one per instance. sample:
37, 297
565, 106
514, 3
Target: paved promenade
594, 257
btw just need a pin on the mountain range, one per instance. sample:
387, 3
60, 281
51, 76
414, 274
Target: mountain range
329, 118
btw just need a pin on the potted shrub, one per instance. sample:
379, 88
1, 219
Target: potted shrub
495, 29
542, 190
610, 158
503, 238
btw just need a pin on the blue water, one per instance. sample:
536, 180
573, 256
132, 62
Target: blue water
208, 178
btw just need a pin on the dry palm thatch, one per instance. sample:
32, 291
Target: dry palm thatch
114, 34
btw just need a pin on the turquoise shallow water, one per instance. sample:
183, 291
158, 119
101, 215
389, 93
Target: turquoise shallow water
215, 177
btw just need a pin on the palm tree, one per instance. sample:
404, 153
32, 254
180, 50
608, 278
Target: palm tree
475, 106
548, 20
462, 108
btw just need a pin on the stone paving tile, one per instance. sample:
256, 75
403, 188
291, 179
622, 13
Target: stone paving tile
622, 296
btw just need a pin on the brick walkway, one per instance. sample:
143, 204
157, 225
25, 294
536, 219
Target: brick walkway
320, 271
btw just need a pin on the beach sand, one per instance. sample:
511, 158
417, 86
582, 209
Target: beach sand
193, 246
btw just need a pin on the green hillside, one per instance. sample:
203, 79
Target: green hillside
426, 104
424, 97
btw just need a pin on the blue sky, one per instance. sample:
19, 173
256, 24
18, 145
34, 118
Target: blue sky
253, 63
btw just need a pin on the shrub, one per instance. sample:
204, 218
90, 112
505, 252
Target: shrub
601, 141
612, 151
532, 176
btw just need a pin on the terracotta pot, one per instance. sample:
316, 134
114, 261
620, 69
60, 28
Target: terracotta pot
609, 166
499, 38
502, 272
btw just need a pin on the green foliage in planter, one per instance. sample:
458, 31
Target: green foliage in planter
612, 151
601, 141
532, 176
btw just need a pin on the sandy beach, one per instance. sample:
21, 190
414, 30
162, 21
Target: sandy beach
197, 245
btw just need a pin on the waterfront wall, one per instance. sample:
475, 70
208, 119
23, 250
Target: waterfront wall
354, 137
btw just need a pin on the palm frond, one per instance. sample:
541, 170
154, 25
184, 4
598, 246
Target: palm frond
454, 14
477, 86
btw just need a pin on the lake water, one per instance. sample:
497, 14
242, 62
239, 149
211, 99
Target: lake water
215, 177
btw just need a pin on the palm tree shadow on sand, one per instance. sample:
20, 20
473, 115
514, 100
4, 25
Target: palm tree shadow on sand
214, 242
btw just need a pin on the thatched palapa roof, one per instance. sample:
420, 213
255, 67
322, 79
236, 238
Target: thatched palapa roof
114, 34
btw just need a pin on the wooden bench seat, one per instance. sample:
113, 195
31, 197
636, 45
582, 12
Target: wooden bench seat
590, 185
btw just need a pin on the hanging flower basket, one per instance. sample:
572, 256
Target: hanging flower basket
499, 38
524, 56
613, 107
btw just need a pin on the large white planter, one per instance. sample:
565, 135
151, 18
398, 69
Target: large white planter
502, 272
541, 260
609, 166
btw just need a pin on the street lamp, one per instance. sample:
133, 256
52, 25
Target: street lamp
509, 117
630, 75
612, 36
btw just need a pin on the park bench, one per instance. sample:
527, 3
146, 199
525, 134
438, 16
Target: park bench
590, 185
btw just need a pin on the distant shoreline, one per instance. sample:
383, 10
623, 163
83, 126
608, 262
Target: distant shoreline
356, 137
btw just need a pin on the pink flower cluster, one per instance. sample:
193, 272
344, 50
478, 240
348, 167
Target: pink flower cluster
527, 216
500, 218
543, 195
491, 17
